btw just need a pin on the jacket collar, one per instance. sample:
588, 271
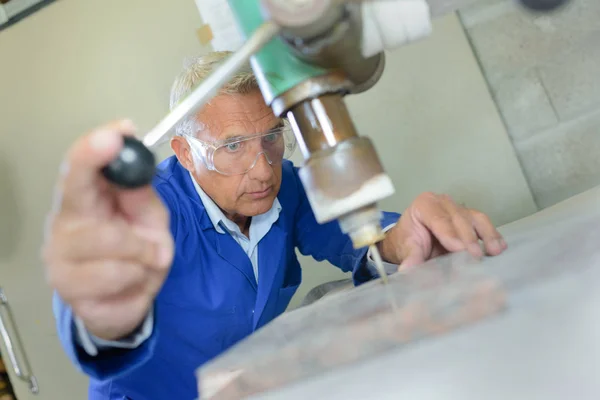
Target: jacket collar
186, 184
210, 214
218, 219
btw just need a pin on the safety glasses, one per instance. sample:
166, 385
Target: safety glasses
239, 154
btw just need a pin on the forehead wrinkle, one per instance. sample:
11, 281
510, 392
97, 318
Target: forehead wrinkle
235, 116
245, 124
206, 129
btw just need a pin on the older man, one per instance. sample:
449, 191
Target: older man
152, 283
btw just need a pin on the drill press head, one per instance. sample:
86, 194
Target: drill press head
307, 55
304, 75
342, 174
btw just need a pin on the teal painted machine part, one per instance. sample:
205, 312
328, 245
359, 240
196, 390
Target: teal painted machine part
275, 65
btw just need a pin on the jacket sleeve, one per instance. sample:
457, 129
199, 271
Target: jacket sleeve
328, 242
107, 363
109, 360
93, 345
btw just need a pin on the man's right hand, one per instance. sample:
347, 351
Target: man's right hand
107, 251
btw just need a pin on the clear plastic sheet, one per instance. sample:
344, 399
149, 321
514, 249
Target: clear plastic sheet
556, 246
544, 345
351, 326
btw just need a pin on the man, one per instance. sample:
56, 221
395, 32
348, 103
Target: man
152, 283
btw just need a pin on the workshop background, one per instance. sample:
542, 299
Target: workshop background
543, 74
498, 108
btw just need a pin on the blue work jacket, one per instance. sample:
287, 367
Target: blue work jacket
210, 299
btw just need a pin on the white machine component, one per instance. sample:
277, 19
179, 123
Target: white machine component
387, 24
225, 32
391, 24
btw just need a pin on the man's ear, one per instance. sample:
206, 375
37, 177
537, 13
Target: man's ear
181, 148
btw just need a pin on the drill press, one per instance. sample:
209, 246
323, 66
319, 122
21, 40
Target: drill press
307, 55
304, 75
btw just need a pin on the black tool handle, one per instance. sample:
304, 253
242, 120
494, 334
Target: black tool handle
134, 166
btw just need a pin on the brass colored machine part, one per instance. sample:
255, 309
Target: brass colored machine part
342, 174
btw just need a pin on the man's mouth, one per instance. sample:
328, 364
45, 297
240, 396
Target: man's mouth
260, 194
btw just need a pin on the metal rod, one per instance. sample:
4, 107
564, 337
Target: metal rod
23, 372
211, 85
384, 278
378, 263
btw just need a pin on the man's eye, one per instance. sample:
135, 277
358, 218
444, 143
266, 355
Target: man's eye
233, 146
270, 138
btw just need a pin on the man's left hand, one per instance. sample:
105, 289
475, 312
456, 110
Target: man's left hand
434, 225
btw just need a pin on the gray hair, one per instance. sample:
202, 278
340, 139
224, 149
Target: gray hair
195, 71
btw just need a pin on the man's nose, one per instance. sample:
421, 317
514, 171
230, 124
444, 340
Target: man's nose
262, 169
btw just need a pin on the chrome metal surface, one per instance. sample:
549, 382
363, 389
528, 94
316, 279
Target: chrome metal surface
333, 82
373, 77
338, 47
321, 124
14, 345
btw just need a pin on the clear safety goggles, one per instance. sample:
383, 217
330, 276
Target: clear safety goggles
238, 155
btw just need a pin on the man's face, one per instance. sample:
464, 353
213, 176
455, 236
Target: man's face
230, 116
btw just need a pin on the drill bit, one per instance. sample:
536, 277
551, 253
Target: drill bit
379, 263
384, 278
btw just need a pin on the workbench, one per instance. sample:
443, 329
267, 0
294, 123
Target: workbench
543, 345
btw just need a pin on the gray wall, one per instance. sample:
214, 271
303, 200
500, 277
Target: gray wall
63, 70
543, 72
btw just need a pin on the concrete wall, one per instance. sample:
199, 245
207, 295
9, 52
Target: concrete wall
543, 72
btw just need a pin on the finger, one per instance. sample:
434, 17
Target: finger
144, 207
81, 240
413, 256
464, 227
492, 239
80, 172
99, 279
439, 222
